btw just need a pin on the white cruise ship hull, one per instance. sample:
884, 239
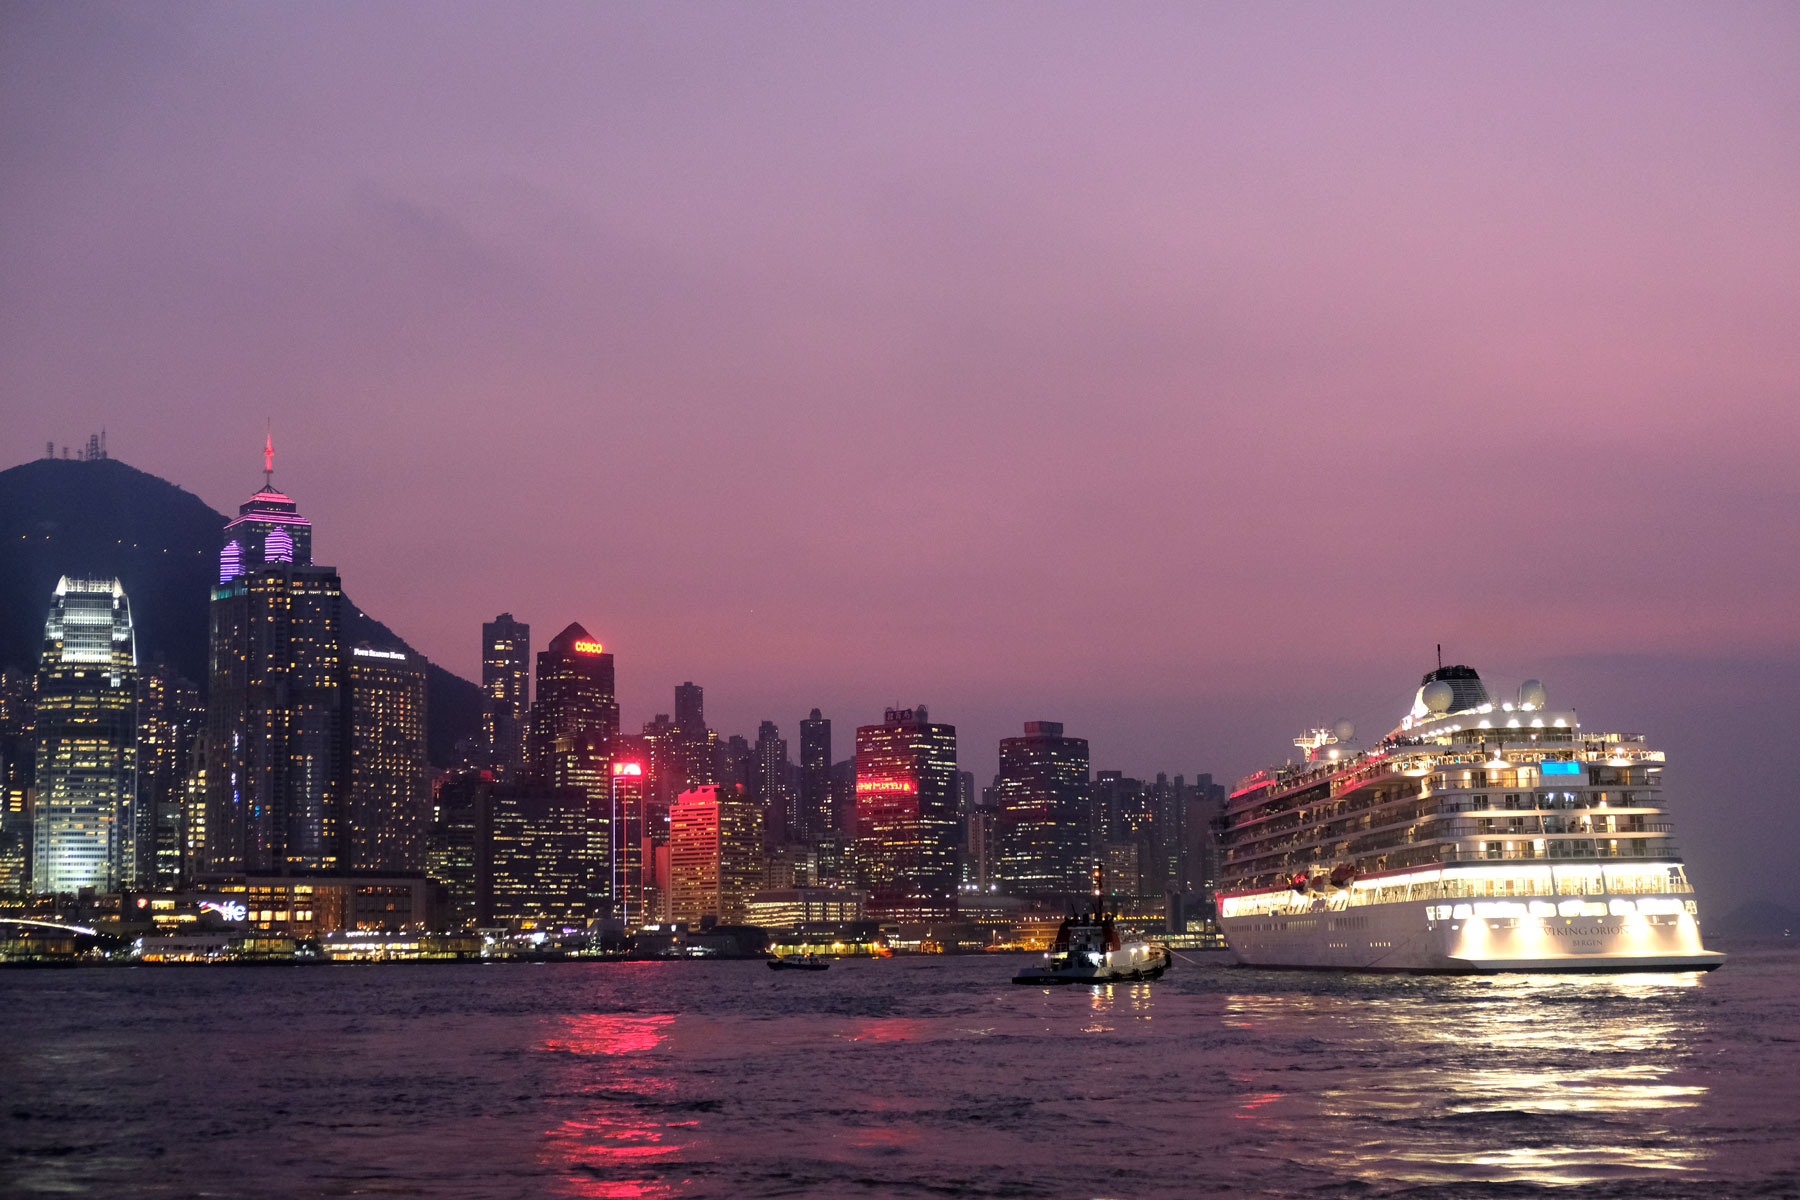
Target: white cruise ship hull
1414, 935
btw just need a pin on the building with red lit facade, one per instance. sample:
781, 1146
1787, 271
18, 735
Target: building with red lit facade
715, 854
906, 798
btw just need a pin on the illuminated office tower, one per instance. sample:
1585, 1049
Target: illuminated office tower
1042, 842
715, 855
769, 776
506, 692
171, 725
662, 768
386, 798
815, 778
625, 858
18, 758
697, 743
451, 846
275, 701
575, 697
85, 816
906, 796
534, 851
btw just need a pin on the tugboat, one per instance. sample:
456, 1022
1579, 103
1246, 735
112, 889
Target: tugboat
799, 962
1088, 950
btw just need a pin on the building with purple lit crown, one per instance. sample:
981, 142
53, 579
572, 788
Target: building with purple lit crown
274, 784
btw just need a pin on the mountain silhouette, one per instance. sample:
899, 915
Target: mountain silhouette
104, 519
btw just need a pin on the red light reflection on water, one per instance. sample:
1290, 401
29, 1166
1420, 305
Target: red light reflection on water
609, 1033
608, 1151
1251, 1105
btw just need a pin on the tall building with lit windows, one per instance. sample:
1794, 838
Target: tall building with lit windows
1041, 832
815, 778
769, 778
386, 797
695, 743
506, 691
575, 697
627, 841
274, 786
715, 854
85, 818
171, 722
906, 796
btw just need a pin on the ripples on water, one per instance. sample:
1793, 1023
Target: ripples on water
908, 1077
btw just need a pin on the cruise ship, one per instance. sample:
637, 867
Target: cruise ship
1476, 837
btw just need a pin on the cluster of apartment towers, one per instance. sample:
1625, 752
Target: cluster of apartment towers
307, 759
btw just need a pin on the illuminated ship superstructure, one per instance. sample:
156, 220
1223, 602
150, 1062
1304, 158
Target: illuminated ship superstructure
1477, 836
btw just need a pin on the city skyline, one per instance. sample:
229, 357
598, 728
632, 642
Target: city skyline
1089, 369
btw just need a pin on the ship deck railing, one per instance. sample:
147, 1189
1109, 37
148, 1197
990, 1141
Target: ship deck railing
1432, 826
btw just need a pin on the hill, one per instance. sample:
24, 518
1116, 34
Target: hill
103, 518
1759, 918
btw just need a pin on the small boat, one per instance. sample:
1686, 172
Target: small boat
799, 962
1088, 950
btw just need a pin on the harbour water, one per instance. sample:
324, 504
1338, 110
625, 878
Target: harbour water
906, 1077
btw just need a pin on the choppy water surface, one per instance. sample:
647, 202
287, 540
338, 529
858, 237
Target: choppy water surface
910, 1077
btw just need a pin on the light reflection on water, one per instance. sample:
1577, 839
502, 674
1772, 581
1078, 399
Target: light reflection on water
901, 1077
604, 1152
1546, 1080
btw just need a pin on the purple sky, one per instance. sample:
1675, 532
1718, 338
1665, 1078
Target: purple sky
1181, 372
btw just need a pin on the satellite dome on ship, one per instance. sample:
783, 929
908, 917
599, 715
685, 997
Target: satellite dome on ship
1448, 690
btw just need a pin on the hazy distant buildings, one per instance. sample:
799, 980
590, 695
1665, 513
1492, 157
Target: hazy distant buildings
386, 802
506, 692
906, 797
1041, 835
85, 822
274, 703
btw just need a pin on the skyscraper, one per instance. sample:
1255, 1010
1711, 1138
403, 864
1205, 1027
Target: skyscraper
274, 704
1040, 823
574, 697
815, 778
506, 688
627, 842
535, 858
18, 782
769, 774
386, 798
906, 797
171, 724
693, 738
715, 854
85, 822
